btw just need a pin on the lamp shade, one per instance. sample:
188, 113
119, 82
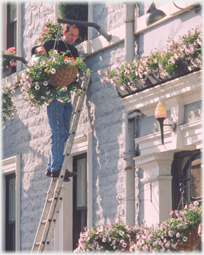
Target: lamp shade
160, 111
153, 14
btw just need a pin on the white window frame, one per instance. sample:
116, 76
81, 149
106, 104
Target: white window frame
9, 166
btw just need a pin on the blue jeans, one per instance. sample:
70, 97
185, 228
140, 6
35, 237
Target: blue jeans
58, 115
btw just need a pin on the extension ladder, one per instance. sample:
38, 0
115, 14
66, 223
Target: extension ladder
56, 192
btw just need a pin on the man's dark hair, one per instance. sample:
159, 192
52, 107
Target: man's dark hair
66, 27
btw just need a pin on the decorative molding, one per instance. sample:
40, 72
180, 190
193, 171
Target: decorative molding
153, 159
169, 9
98, 44
191, 133
158, 178
152, 142
80, 145
189, 86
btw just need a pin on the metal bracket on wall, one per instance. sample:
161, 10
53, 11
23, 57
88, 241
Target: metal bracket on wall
87, 24
194, 9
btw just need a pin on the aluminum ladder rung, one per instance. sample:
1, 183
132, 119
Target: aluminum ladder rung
56, 192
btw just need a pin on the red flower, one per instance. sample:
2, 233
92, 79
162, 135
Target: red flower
65, 57
73, 60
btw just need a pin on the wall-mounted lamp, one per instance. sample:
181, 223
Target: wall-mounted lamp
153, 14
160, 115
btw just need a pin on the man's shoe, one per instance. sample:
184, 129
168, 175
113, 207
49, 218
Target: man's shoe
55, 174
70, 174
66, 179
48, 173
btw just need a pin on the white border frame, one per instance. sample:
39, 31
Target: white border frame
9, 166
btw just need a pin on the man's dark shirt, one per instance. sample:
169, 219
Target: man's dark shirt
61, 47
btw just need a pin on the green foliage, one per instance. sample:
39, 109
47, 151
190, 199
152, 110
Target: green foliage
51, 30
34, 81
76, 11
158, 64
8, 108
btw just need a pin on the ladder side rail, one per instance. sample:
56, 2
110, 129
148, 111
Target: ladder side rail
44, 215
50, 220
54, 220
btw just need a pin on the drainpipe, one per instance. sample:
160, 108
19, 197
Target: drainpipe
129, 153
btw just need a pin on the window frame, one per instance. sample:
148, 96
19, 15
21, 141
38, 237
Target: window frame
12, 165
81, 211
176, 171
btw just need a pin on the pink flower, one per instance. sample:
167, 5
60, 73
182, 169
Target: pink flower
171, 213
12, 49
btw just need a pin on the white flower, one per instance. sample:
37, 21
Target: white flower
45, 83
53, 71
37, 87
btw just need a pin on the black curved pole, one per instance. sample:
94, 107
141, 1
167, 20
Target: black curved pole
87, 24
15, 58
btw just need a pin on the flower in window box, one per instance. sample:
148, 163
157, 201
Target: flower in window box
8, 65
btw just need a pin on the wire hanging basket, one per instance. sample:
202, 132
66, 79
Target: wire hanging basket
64, 76
193, 240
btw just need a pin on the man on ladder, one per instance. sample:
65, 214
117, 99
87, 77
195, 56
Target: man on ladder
59, 114
56, 190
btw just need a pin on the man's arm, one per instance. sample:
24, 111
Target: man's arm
48, 45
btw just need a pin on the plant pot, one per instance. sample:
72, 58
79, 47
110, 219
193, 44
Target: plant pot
192, 242
64, 76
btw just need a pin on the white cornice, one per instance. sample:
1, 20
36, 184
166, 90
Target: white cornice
169, 9
100, 43
188, 87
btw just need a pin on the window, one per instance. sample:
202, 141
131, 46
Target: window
187, 178
79, 197
11, 203
11, 24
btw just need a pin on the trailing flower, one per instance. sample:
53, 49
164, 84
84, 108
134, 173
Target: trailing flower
115, 237
8, 107
51, 30
165, 236
169, 234
159, 64
5, 63
34, 81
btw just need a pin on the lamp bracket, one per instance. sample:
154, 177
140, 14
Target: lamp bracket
171, 124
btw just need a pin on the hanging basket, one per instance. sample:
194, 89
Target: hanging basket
64, 76
192, 241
